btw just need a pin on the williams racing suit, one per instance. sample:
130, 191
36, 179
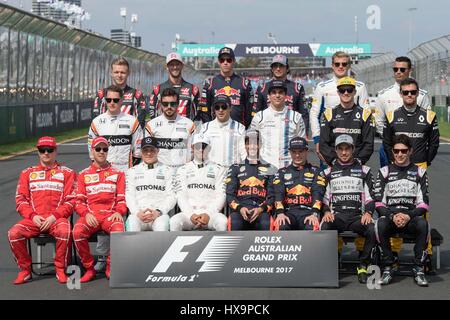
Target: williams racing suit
43, 191
173, 139
237, 88
295, 99
188, 96
277, 128
326, 96
133, 103
149, 186
100, 192
200, 188
298, 192
249, 185
348, 195
420, 126
124, 135
227, 141
356, 122
405, 190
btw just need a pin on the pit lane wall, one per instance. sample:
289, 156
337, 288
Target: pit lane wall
431, 63
50, 73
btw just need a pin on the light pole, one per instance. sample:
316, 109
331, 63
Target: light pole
271, 36
410, 27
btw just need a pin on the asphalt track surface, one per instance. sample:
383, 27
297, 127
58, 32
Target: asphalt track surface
74, 155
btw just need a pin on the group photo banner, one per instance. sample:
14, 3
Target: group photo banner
224, 259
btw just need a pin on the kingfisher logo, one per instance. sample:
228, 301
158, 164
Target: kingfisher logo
217, 252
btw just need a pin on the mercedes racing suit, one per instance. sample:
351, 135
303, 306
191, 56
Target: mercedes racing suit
124, 135
188, 96
227, 141
43, 191
200, 188
298, 193
100, 192
237, 88
277, 128
405, 190
356, 122
249, 185
326, 96
133, 103
348, 195
295, 99
149, 186
173, 139
420, 126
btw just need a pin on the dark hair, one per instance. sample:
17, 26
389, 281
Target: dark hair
404, 59
115, 88
169, 92
408, 81
403, 139
120, 61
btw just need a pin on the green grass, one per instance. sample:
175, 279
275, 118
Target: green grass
19, 146
444, 129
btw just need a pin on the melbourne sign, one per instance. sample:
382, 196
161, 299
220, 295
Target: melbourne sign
220, 259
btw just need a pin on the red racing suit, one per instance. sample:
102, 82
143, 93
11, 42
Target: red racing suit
101, 192
43, 191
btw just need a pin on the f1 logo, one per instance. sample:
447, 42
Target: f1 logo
174, 253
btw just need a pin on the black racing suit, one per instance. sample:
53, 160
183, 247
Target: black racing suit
405, 190
250, 186
237, 88
356, 122
295, 99
188, 95
420, 126
348, 196
298, 191
133, 104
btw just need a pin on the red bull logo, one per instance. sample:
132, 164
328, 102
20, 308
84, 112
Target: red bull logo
252, 182
228, 91
299, 190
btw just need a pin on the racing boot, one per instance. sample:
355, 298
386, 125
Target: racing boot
101, 264
387, 276
61, 275
362, 274
23, 277
419, 276
88, 276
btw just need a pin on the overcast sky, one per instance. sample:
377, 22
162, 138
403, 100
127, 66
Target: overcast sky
291, 21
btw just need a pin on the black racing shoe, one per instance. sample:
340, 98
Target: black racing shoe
387, 276
419, 276
362, 274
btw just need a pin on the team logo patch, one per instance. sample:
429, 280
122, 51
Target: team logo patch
128, 96
288, 176
242, 169
58, 176
263, 169
309, 175
112, 178
38, 175
421, 119
184, 91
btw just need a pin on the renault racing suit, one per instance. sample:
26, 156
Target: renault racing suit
277, 128
405, 190
295, 99
420, 126
100, 192
298, 192
356, 122
326, 96
249, 185
349, 195
123, 134
237, 88
173, 139
389, 100
43, 191
133, 103
188, 97
227, 141
200, 188
149, 186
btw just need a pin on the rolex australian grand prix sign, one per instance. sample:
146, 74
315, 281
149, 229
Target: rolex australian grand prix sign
224, 259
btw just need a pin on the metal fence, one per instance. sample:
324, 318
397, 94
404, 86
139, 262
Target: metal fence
47, 65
